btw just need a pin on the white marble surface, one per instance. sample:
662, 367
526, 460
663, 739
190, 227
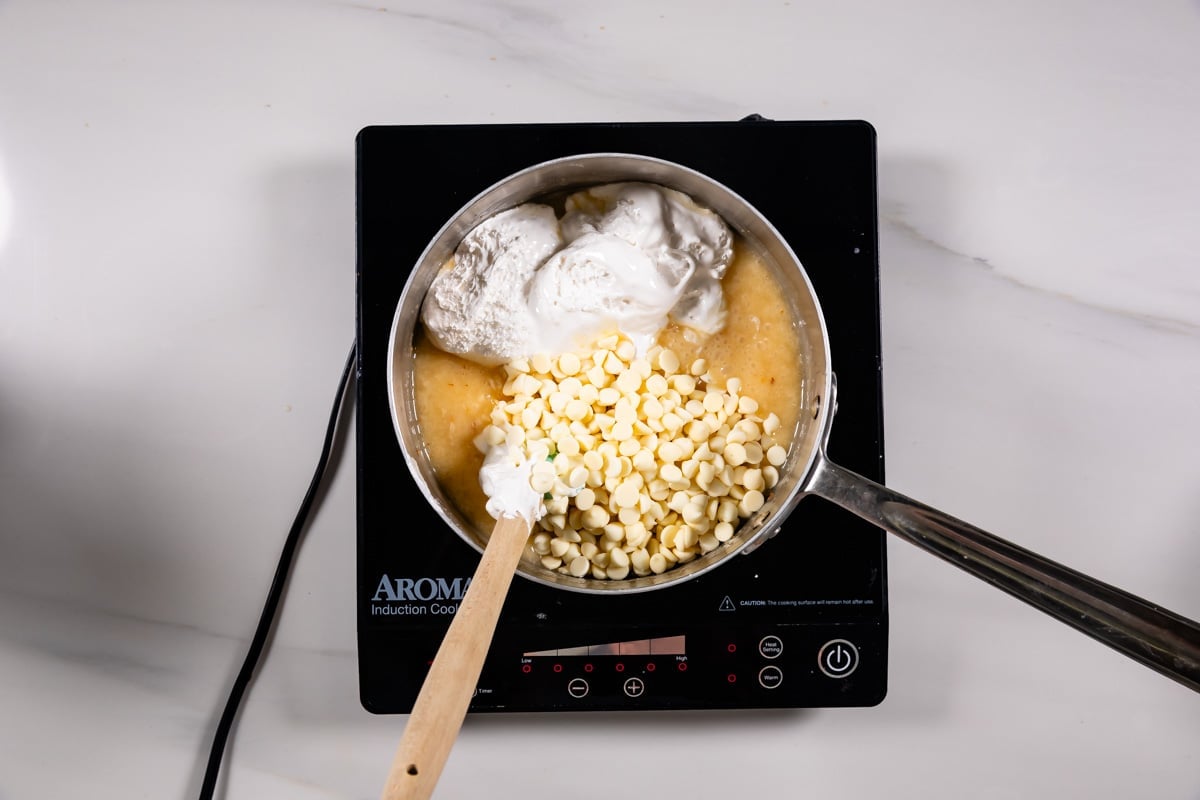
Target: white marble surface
176, 299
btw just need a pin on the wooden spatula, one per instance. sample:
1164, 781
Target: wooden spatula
442, 704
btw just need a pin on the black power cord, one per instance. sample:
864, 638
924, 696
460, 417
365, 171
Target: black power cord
274, 594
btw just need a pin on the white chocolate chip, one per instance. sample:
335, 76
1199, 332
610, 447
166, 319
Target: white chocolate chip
569, 363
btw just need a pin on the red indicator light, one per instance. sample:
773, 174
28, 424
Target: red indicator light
620, 667
731, 678
731, 647
650, 667
558, 667
527, 668
588, 667
683, 666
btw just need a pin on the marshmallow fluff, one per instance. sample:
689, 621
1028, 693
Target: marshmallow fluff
690, 246
625, 257
505, 479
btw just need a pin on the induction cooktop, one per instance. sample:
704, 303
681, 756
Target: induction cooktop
801, 621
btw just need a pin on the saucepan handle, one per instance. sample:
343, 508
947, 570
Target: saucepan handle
1158, 638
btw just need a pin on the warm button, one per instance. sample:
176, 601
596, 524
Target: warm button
770, 647
770, 677
837, 658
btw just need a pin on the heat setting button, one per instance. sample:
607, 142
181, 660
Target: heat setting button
837, 658
770, 647
634, 687
578, 688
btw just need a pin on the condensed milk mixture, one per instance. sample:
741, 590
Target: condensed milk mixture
628, 376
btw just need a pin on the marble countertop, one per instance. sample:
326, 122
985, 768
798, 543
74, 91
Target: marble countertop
177, 298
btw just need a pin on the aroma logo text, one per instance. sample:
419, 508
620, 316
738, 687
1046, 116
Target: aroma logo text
420, 589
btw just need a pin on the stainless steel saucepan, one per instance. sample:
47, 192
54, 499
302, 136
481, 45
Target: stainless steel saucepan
1158, 638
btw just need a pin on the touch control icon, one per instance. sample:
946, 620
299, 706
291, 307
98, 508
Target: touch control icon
838, 658
770, 677
577, 688
770, 647
634, 687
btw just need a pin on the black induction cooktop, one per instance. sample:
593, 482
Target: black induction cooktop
799, 622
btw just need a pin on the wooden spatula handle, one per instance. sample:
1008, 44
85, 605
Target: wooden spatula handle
442, 704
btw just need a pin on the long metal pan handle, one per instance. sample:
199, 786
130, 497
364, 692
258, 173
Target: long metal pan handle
1158, 638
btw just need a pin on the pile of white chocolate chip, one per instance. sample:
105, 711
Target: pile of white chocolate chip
643, 462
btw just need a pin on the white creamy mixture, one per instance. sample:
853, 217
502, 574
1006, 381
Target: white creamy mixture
505, 479
625, 257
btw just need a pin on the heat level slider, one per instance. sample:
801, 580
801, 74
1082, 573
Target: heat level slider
661, 646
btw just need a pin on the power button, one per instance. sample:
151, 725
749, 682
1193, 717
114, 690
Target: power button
837, 658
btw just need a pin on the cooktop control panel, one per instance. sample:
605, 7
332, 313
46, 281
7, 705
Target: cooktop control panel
705, 667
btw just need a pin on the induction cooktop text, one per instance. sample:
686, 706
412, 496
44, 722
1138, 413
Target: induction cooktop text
417, 596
